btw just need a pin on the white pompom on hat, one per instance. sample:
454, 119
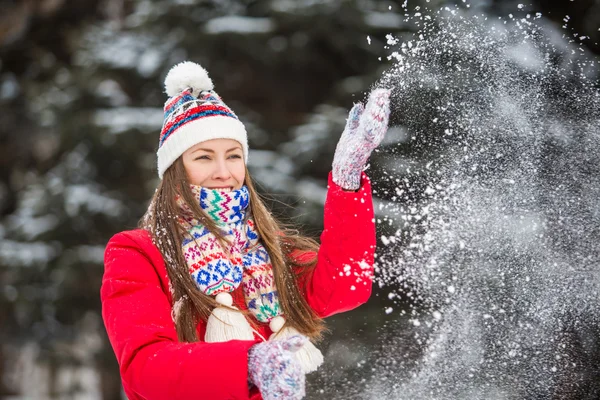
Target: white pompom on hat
194, 113
187, 75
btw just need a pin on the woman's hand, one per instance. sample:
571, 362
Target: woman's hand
273, 367
365, 129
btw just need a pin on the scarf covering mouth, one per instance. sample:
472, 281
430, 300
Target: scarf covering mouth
243, 260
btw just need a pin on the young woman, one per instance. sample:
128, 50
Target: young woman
212, 298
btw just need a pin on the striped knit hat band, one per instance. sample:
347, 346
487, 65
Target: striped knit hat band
194, 113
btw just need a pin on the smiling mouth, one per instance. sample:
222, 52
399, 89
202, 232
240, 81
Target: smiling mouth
222, 189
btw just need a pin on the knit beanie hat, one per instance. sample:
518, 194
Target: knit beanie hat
194, 113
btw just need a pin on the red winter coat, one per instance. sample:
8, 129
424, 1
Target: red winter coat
136, 306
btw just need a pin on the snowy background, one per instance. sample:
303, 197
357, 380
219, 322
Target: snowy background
80, 112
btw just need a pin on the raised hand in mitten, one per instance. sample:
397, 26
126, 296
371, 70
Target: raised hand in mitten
365, 129
273, 367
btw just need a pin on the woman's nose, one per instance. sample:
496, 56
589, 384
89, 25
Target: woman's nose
221, 170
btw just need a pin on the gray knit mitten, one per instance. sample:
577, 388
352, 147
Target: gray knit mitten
362, 134
273, 367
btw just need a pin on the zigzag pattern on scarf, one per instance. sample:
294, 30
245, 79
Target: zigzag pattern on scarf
214, 211
223, 213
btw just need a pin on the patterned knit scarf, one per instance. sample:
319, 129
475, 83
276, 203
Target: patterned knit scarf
243, 261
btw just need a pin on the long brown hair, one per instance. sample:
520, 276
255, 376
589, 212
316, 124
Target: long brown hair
190, 304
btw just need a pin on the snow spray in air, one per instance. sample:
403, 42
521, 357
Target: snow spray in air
494, 196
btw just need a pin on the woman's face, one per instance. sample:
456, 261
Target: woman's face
216, 164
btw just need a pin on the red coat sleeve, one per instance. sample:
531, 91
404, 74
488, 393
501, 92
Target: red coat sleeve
342, 279
153, 363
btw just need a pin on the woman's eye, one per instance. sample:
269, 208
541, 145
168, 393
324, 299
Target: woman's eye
235, 156
202, 158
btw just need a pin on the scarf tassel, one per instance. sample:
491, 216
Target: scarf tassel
226, 322
309, 356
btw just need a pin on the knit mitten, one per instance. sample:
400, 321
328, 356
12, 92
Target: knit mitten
273, 367
362, 134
